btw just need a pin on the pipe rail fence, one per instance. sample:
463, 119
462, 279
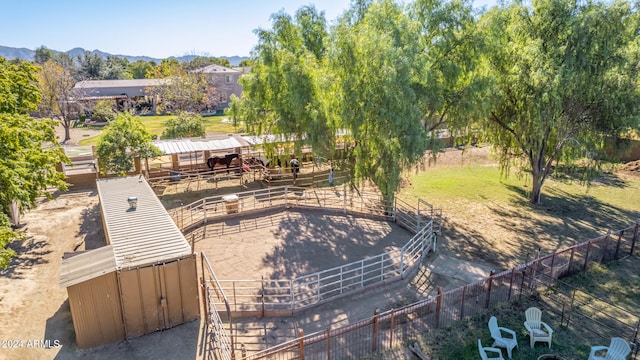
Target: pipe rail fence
394, 327
220, 344
366, 203
271, 296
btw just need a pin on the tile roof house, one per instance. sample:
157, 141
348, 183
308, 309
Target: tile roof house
225, 80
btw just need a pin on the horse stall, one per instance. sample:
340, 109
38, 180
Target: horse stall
144, 280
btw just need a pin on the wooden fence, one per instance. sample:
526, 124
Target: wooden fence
392, 328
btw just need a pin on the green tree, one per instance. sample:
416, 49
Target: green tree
115, 68
246, 63
377, 59
56, 86
565, 78
452, 85
91, 66
183, 126
184, 92
139, 69
29, 151
124, 139
284, 92
166, 68
42, 55
103, 111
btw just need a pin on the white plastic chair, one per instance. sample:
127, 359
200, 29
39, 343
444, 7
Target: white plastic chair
484, 350
508, 342
617, 350
538, 330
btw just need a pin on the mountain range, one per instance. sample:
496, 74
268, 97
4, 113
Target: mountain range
28, 54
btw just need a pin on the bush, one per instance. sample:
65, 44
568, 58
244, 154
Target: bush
103, 111
184, 125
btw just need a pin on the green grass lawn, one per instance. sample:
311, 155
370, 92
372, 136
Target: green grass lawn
488, 219
155, 125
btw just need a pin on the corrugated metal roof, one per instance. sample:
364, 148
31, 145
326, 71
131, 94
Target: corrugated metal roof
141, 236
169, 147
86, 266
215, 69
85, 84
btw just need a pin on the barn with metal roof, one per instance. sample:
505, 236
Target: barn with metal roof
144, 280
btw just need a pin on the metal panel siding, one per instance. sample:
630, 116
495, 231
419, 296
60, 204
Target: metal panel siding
172, 293
160, 296
86, 266
95, 310
141, 236
190, 291
131, 303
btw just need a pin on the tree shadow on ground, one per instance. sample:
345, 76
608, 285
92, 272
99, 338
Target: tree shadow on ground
91, 229
581, 217
30, 252
559, 222
317, 240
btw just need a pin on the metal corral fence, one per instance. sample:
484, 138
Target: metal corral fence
220, 344
276, 297
272, 297
392, 328
213, 208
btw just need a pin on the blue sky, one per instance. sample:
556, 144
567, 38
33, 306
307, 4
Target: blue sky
156, 28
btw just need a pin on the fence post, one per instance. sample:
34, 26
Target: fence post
489, 290
401, 264
204, 210
329, 343
286, 196
293, 298
374, 339
438, 306
606, 246
464, 292
513, 274
301, 343
586, 256
392, 326
615, 256
635, 235
573, 250
262, 294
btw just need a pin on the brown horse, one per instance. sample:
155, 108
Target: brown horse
219, 160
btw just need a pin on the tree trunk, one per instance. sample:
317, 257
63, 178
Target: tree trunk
67, 134
536, 191
538, 176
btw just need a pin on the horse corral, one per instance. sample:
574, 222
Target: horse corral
289, 250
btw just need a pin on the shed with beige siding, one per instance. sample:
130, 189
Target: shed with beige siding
144, 280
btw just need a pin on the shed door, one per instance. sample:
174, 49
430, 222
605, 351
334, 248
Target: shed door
159, 297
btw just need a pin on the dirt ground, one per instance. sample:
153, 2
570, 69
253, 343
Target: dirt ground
35, 320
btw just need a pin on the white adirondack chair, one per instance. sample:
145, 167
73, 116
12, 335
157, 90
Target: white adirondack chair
538, 330
508, 342
484, 350
617, 350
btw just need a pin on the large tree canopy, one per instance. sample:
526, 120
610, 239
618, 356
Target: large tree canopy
566, 77
29, 151
377, 59
283, 94
124, 139
56, 86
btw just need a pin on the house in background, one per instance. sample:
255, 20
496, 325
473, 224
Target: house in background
225, 81
127, 94
134, 93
